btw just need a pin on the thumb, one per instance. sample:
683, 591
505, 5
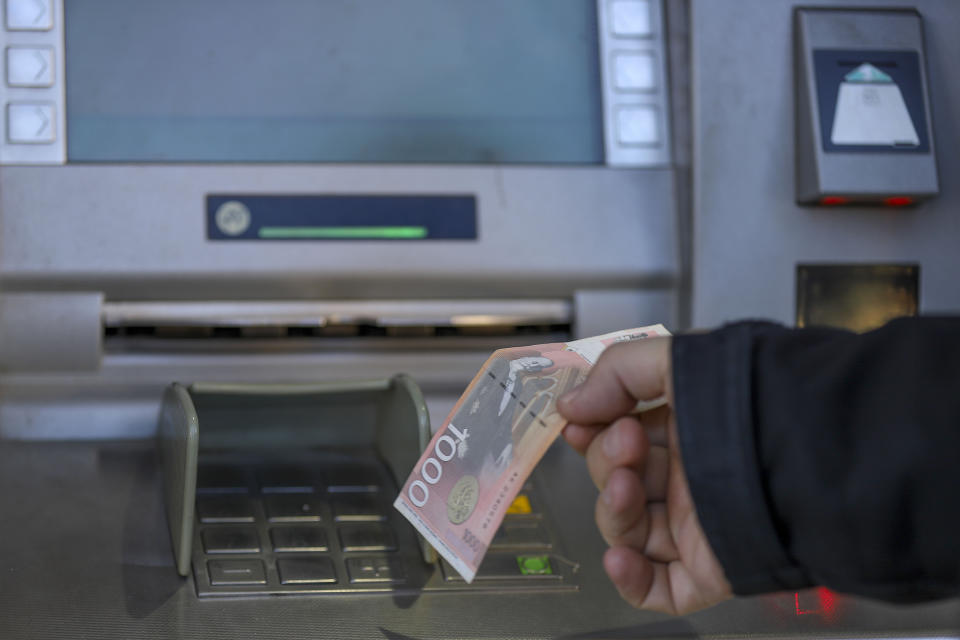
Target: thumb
624, 374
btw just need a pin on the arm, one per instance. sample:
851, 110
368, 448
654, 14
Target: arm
842, 451
813, 457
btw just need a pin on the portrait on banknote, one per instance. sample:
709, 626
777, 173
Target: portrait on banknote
515, 392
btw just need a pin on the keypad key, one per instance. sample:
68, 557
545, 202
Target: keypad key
522, 535
293, 508
221, 479
367, 537
291, 539
236, 572
358, 507
283, 479
224, 509
521, 505
503, 566
375, 569
310, 570
230, 540
353, 480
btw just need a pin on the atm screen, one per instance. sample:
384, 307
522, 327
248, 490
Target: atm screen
370, 82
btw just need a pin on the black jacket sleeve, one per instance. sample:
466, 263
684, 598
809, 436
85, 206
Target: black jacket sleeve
824, 457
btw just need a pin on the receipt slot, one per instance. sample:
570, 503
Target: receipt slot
863, 128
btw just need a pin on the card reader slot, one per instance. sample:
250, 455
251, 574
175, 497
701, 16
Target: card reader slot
330, 332
138, 325
383, 313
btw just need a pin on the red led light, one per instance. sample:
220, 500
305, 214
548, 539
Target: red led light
898, 201
826, 601
834, 200
801, 612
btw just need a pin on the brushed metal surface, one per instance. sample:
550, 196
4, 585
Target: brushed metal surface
748, 233
86, 553
137, 232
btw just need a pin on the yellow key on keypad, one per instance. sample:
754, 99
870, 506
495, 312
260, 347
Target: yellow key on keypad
520, 505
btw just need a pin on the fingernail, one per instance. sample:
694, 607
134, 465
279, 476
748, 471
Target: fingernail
611, 443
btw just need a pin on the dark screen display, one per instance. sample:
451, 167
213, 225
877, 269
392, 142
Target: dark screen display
377, 81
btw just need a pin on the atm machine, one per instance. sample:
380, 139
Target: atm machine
291, 232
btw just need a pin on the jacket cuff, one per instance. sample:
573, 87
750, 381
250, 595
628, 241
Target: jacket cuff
712, 382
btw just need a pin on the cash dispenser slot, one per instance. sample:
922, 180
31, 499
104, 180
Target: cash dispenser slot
288, 489
137, 326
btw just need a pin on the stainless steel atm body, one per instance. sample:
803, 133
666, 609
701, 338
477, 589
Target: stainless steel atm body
113, 287
122, 272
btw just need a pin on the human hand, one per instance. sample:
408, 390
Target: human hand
659, 558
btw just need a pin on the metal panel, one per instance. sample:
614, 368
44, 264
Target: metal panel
853, 173
749, 234
96, 562
137, 232
50, 331
600, 311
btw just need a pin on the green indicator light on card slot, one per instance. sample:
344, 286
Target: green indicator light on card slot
351, 233
534, 565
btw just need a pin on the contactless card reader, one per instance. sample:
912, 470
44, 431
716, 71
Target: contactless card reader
863, 129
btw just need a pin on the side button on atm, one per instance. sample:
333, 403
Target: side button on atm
29, 15
30, 66
29, 123
638, 125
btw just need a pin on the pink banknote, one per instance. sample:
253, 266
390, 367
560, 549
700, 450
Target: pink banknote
481, 456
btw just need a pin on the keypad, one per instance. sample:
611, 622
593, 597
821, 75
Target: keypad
287, 527
324, 527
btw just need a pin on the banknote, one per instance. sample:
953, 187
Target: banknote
481, 456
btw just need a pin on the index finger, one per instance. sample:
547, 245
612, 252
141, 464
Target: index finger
625, 373
579, 436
